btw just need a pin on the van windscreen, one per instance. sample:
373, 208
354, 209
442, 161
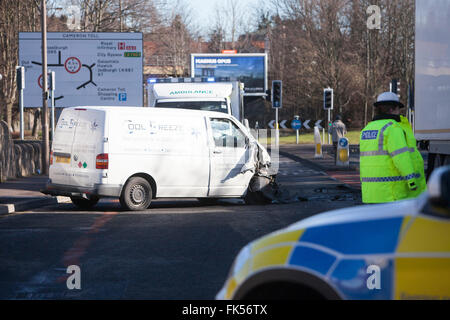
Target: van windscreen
220, 106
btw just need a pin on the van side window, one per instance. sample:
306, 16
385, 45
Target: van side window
227, 134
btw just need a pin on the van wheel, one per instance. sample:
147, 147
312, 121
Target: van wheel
83, 203
256, 198
137, 194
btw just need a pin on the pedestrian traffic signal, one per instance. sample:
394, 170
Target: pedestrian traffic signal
411, 96
328, 99
395, 86
277, 93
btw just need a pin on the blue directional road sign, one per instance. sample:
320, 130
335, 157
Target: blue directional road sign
343, 142
296, 124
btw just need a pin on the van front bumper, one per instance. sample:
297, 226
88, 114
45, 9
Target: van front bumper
99, 190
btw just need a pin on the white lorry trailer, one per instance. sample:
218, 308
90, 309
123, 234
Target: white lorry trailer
432, 80
207, 94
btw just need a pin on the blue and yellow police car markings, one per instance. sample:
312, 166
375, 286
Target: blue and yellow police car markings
422, 264
422, 278
313, 259
273, 249
269, 251
321, 259
346, 268
276, 238
360, 237
350, 277
427, 234
276, 255
231, 288
341, 253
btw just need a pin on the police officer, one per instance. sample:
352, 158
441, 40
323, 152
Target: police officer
391, 167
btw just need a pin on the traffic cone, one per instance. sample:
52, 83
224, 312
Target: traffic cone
318, 143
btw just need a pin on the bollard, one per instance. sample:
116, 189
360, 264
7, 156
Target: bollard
343, 153
318, 143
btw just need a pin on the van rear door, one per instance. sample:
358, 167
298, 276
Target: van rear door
79, 139
61, 156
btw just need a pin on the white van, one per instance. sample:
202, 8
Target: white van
139, 154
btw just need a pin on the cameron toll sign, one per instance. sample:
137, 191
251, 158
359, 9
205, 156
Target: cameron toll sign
91, 68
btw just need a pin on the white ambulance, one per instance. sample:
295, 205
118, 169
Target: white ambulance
207, 94
139, 154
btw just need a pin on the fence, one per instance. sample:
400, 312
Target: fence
18, 158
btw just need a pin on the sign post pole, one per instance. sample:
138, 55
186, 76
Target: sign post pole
52, 90
328, 105
329, 119
277, 102
45, 137
277, 131
296, 125
20, 71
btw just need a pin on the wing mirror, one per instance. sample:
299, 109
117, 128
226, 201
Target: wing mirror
439, 189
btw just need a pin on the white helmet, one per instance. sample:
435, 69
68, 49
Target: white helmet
388, 98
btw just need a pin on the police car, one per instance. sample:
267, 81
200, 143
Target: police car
398, 250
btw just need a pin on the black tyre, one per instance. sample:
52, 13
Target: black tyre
256, 198
83, 203
137, 194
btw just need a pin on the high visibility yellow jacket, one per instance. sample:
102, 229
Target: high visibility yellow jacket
416, 157
387, 169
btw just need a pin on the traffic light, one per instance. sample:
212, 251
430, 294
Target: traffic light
328, 99
395, 86
20, 71
51, 80
411, 96
277, 86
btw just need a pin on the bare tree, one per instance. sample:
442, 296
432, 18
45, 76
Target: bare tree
320, 43
117, 15
174, 37
217, 33
235, 15
14, 16
229, 22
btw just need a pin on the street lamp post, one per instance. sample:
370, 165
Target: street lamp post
45, 134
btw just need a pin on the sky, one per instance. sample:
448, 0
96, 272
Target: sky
204, 11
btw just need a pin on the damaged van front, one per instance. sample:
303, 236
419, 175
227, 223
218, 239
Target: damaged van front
262, 186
